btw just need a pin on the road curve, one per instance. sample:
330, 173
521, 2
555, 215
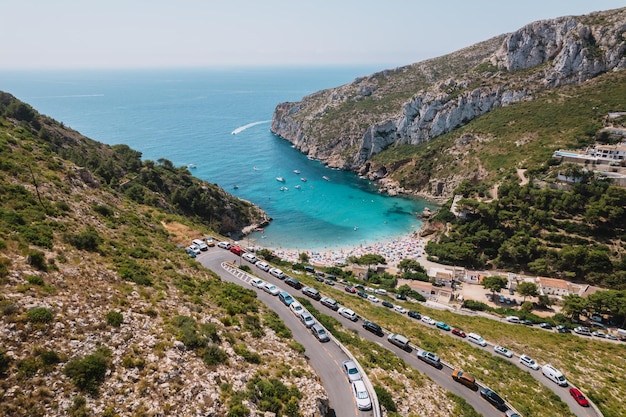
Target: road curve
325, 358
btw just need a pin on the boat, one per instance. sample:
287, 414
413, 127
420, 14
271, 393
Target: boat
303, 179
283, 188
280, 179
297, 186
255, 168
295, 171
235, 186
326, 178
191, 166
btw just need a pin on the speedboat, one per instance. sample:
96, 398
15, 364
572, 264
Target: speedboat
283, 188
235, 186
298, 186
303, 179
280, 179
191, 166
326, 178
295, 171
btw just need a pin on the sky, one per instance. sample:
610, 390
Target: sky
79, 34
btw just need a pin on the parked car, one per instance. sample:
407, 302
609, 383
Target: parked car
428, 320
361, 396
400, 297
562, 329
311, 292
399, 340
351, 371
285, 298
579, 397
277, 273
581, 330
292, 282
528, 361
236, 250
223, 244
200, 244
599, 334
458, 332
380, 291
370, 326
464, 378
387, 304
320, 333
429, 357
373, 298
554, 375
350, 289
513, 319
307, 319
527, 322
196, 250
493, 398
296, 308
362, 294
250, 257
545, 325
414, 314
347, 313
329, 282
209, 241
271, 289
503, 351
442, 325
257, 282
400, 309
611, 336
511, 413
262, 265
191, 252
330, 303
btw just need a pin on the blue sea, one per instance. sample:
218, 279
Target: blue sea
217, 121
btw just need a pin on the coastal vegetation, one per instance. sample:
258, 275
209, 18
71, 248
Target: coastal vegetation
101, 307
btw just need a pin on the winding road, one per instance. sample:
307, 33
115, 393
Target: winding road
326, 358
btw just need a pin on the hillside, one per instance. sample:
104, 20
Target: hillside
101, 313
382, 125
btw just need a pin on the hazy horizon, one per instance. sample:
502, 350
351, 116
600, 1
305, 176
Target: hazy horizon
70, 34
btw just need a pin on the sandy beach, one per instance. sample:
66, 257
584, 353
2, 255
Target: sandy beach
409, 246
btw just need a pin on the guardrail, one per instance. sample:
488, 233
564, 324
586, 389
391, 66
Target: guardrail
239, 273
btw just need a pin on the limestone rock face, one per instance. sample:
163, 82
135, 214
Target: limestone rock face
345, 126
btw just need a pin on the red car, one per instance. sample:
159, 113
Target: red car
579, 397
236, 250
458, 332
350, 289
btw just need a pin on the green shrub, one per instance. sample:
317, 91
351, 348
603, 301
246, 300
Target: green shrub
5, 362
214, 355
28, 367
114, 318
274, 322
88, 372
40, 315
4, 267
7, 308
385, 399
35, 280
88, 240
37, 259
78, 407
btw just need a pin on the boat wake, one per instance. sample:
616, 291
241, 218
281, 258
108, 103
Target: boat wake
249, 125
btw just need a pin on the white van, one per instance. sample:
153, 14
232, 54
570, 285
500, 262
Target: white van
554, 375
512, 319
476, 338
200, 243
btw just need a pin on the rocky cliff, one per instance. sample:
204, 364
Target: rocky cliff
346, 126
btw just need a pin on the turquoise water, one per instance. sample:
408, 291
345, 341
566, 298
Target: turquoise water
218, 120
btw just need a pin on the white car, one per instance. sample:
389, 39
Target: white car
257, 282
351, 371
380, 291
277, 273
400, 309
369, 289
503, 351
347, 313
528, 361
361, 396
598, 333
249, 257
223, 244
195, 249
373, 298
271, 288
296, 308
262, 265
428, 320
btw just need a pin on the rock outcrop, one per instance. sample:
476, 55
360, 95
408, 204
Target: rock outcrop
345, 126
